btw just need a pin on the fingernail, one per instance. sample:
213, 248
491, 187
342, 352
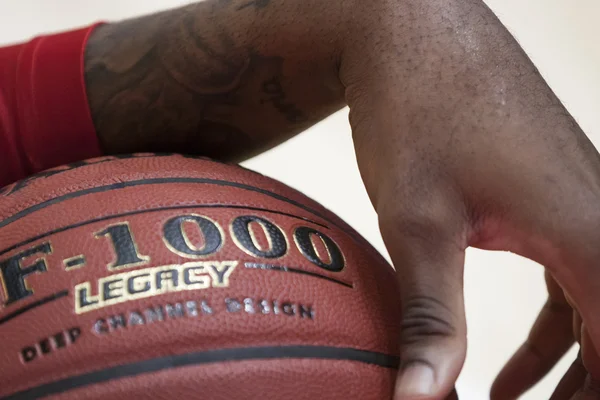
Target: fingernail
415, 381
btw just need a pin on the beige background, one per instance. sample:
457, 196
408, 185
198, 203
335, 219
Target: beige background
503, 292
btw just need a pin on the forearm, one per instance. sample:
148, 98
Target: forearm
228, 79
225, 79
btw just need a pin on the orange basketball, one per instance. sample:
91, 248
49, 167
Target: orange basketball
173, 277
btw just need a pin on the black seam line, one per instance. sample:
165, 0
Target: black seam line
34, 305
207, 357
158, 181
282, 268
109, 217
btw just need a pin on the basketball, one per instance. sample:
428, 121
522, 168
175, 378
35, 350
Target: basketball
166, 276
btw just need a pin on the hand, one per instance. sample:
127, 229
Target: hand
459, 140
556, 329
461, 143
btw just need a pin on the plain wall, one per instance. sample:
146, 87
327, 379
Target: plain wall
503, 292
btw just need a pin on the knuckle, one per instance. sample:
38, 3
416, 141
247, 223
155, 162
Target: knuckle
425, 318
428, 234
435, 220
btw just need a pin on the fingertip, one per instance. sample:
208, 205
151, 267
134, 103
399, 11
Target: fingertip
417, 381
514, 378
571, 382
430, 377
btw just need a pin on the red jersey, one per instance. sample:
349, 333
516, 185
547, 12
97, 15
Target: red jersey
45, 119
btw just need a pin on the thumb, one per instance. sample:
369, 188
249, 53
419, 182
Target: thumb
428, 253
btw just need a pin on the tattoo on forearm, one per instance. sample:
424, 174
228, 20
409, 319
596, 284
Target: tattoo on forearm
183, 88
276, 96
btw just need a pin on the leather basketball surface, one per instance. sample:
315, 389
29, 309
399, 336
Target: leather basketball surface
170, 277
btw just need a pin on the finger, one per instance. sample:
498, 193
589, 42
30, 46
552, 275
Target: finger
429, 261
590, 390
580, 377
590, 357
586, 395
549, 339
576, 375
571, 382
581, 280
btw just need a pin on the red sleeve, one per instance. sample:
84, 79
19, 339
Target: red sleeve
45, 119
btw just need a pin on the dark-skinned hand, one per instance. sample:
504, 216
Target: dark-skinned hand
459, 141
